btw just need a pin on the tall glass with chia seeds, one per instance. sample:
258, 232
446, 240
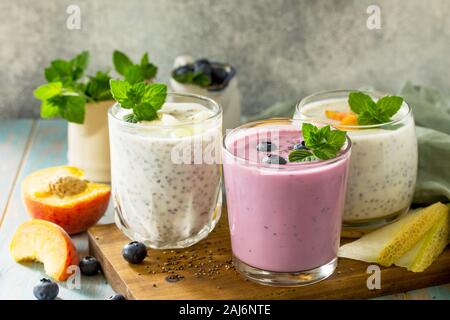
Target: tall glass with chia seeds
166, 175
383, 166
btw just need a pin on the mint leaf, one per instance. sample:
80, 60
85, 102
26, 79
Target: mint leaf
359, 102
322, 143
148, 69
79, 65
325, 152
59, 70
369, 112
131, 118
301, 155
67, 71
49, 110
133, 74
155, 94
47, 91
97, 88
121, 62
389, 105
144, 98
119, 89
73, 108
337, 138
144, 111
309, 130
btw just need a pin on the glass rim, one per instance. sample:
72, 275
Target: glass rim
218, 112
292, 165
302, 104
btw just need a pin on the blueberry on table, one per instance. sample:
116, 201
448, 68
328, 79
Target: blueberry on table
117, 296
219, 75
274, 159
89, 266
46, 290
300, 146
134, 252
266, 146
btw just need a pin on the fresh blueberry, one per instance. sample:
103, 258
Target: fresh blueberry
274, 159
46, 290
266, 146
89, 266
203, 66
300, 146
134, 252
219, 75
117, 296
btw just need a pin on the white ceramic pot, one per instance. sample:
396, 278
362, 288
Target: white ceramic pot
88, 143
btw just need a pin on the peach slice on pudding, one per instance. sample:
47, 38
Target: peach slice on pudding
46, 242
61, 195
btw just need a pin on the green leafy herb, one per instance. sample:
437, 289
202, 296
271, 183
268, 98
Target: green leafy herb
66, 94
97, 88
144, 98
134, 73
67, 71
322, 143
60, 102
370, 112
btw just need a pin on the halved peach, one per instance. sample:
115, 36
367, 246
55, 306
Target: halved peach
46, 242
61, 195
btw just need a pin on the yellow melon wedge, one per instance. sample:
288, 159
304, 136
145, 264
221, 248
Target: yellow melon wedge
422, 255
386, 245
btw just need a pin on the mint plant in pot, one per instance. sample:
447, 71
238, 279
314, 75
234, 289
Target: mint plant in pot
84, 103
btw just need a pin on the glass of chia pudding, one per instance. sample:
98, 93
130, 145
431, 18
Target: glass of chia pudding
383, 166
285, 217
166, 173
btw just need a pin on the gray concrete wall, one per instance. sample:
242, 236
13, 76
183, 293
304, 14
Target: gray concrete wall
283, 49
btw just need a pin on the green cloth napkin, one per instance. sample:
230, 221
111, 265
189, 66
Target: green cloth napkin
431, 110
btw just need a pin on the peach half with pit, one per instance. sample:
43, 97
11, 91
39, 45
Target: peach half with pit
61, 195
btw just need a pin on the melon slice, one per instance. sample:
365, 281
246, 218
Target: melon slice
386, 245
422, 255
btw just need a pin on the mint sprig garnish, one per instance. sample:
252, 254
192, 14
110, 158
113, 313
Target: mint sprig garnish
134, 73
65, 95
97, 87
370, 112
321, 143
145, 99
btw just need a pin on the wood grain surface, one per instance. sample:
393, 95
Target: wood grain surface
148, 280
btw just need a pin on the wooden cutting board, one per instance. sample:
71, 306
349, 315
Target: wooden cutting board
205, 272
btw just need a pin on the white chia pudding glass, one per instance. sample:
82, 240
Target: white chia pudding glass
166, 174
383, 165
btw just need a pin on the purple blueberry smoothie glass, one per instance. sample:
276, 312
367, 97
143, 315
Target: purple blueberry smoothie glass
285, 219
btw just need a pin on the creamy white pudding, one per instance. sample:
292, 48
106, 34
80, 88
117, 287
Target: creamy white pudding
383, 165
166, 176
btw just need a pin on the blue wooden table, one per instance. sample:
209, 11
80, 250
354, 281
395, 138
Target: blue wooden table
29, 145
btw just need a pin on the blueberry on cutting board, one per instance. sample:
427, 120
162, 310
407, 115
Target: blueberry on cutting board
134, 252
